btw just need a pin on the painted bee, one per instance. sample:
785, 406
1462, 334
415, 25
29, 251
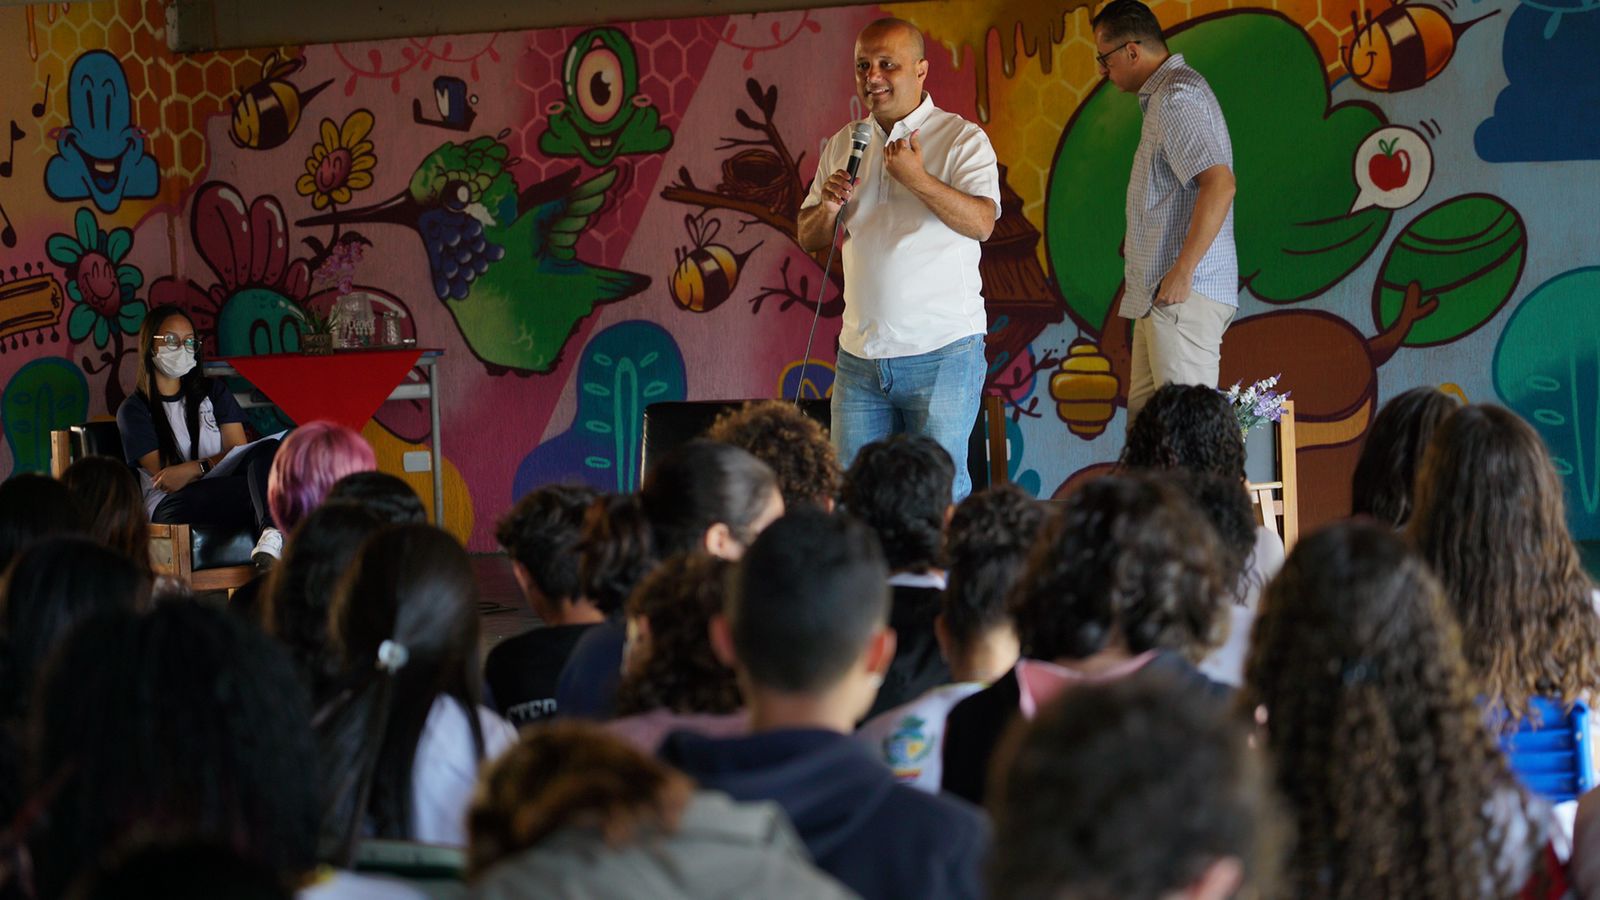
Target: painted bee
266, 113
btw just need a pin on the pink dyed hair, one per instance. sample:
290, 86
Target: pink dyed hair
309, 461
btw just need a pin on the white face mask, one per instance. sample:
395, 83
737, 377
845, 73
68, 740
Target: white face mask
174, 362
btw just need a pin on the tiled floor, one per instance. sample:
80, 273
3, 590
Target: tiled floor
500, 601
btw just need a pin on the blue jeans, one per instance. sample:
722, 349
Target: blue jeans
934, 393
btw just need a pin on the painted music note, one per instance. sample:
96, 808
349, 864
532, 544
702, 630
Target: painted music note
17, 134
8, 236
38, 108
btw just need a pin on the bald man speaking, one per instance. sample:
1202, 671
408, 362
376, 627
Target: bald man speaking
926, 193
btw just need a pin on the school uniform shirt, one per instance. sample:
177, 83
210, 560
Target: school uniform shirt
522, 672
136, 422
911, 282
910, 738
880, 838
445, 769
918, 666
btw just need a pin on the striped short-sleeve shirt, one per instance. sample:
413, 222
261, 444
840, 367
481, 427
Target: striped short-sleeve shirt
1184, 134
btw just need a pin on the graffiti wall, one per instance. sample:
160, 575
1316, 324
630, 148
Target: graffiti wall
588, 220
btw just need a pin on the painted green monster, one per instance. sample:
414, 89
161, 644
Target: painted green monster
604, 115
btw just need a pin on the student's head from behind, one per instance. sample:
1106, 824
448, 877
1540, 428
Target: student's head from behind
108, 494
1386, 473
1491, 522
570, 775
1186, 426
1132, 789
669, 662
794, 445
900, 487
616, 548
710, 497
185, 722
1127, 565
1225, 505
808, 612
541, 534
300, 589
986, 547
307, 464
52, 587
1128, 44
1372, 721
405, 621
34, 506
387, 496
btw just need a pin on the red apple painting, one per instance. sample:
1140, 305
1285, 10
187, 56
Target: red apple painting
1391, 168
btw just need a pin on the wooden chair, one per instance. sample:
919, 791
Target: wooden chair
206, 559
1278, 501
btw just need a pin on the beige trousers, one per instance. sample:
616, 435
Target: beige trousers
1178, 344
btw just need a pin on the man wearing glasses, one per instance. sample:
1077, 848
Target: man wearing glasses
1181, 281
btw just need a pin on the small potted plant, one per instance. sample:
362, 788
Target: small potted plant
316, 331
337, 270
1257, 404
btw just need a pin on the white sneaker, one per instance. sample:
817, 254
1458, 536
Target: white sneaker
268, 549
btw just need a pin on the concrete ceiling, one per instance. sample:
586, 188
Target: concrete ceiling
200, 25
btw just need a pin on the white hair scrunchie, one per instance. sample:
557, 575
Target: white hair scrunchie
392, 656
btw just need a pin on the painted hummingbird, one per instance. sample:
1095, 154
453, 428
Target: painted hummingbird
505, 264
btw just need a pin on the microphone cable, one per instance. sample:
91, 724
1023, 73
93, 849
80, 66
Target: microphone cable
816, 314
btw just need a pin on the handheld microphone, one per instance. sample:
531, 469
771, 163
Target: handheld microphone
860, 137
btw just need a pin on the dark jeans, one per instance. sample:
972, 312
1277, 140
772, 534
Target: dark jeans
236, 501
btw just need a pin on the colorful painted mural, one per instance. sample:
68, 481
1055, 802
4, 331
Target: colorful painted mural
586, 220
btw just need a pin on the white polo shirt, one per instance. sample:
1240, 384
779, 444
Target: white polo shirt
911, 284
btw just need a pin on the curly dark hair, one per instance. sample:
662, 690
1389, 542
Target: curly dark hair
792, 443
1128, 790
108, 493
183, 722
1386, 473
1225, 504
1127, 556
1186, 426
615, 549
680, 673
986, 546
1491, 521
299, 591
1373, 726
900, 487
541, 532
570, 774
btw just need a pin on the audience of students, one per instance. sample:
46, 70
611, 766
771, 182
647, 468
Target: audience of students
571, 811
541, 536
900, 487
153, 745
671, 677
1125, 577
986, 545
1491, 522
1370, 715
806, 630
794, 445
703, 497
402, 744
1132, 789
1386, 474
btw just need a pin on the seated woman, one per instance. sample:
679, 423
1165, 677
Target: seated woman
1126, 577
671, 678
571, 811
1368, 712
177, 425
402, 745
1386, 473
1491, 521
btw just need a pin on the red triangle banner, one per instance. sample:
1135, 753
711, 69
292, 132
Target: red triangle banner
346, 388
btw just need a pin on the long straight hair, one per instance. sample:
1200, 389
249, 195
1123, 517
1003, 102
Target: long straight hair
193, 387
411, 585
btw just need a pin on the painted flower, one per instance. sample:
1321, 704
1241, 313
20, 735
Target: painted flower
98, 280
341, 163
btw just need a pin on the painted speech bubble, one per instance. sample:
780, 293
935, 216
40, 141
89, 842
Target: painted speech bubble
1392, 168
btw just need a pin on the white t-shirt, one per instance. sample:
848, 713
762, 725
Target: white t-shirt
911, 283
1226, 663
210, 444
446, 768
910, 738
